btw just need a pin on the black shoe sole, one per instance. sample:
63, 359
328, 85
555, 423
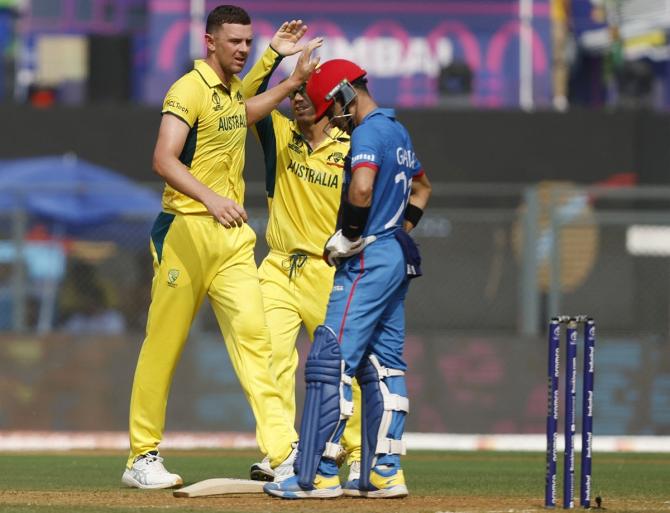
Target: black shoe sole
257, 474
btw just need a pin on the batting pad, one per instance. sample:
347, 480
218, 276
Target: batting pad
321, 413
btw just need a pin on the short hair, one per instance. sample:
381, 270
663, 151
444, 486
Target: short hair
361, 84
226, 14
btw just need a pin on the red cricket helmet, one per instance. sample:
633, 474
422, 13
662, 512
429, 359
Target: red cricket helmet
327, 80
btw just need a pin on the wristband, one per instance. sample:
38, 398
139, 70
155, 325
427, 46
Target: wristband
413, 214
354, 220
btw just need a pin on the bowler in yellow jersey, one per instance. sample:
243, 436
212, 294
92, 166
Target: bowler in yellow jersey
202, 246
304, 185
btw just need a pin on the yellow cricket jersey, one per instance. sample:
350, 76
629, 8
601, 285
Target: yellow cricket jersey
303, 184
214, 148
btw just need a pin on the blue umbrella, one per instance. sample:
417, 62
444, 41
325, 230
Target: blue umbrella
71, 191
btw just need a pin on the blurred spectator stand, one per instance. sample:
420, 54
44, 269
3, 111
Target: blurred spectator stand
631, 39
87, 303
75, 204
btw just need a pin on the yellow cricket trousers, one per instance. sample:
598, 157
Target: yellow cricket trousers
194, 256
296, 289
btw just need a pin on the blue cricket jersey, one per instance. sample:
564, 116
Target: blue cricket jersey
382, 143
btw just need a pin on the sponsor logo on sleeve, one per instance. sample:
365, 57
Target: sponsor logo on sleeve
367, 157
174, 103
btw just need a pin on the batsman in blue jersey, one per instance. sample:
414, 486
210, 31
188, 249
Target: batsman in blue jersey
384, 194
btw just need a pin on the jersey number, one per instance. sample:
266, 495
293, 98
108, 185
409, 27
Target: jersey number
406, 184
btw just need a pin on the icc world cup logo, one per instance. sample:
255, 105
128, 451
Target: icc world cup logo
216, 100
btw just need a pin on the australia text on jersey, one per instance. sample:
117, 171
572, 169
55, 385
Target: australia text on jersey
232, 122
324, 178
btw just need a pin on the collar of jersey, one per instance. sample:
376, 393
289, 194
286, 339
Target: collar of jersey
207, 73
329, 140
389, 113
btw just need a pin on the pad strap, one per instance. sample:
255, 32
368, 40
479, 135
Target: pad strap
395, 402
332, 451
346, 406
382, 371
391, 446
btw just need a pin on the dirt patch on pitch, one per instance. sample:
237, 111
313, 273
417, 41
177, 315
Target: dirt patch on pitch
257, 503
163, 500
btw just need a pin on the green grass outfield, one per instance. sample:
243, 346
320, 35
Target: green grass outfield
438, 482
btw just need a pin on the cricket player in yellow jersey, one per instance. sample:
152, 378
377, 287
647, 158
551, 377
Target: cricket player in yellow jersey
304, 185
202, 246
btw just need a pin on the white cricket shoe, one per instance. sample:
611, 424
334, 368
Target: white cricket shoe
262, 471
285, 469
148, 472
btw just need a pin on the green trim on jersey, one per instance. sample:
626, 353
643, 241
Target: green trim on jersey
159, 232
187, 152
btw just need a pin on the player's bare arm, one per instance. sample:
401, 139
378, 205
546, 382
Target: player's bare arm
261, 105
171, 138
285, 40
362, 184
419, 195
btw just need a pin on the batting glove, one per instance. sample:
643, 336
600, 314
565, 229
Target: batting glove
339, 247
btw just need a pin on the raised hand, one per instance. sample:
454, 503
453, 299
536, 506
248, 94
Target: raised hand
306, 64
285, 40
